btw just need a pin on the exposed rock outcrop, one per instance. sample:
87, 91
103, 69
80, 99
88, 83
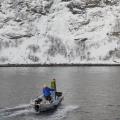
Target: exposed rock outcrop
59, 31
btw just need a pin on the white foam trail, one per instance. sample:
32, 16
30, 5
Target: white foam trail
21, 113
19, 107
25, 110
62, 112
14, 111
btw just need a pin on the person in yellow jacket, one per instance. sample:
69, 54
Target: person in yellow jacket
53, 84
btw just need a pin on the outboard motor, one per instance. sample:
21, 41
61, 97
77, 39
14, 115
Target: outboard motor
36, 107
37, 103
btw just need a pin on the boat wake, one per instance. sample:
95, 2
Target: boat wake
28, 113
15, 111
63, 111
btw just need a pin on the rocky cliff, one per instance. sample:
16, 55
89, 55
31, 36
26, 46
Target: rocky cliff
59, 31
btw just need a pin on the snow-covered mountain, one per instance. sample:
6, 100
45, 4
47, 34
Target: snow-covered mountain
59, 31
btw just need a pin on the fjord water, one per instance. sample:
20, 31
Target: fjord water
90, 93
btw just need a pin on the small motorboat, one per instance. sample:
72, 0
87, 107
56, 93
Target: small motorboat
40, 104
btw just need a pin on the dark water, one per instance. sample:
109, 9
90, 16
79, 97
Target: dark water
91, 93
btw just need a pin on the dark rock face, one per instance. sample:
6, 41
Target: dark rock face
83, 4
110, 2
18, 36
56, 47
33, 58
33, 48
76, 7
79, 7
43, 10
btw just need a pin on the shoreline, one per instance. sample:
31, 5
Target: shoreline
60, 65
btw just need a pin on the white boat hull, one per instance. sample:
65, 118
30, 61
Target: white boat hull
46, 105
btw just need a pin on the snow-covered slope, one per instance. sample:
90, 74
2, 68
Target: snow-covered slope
59, 31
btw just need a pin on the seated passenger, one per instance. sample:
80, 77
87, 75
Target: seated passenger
47, 92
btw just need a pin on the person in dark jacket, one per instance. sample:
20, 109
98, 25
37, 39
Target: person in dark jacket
47, 92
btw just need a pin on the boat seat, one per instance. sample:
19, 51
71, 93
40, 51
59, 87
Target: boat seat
58, 94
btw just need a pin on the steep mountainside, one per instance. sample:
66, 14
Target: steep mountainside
59, 31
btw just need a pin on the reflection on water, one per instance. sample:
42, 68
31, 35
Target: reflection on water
90, 92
